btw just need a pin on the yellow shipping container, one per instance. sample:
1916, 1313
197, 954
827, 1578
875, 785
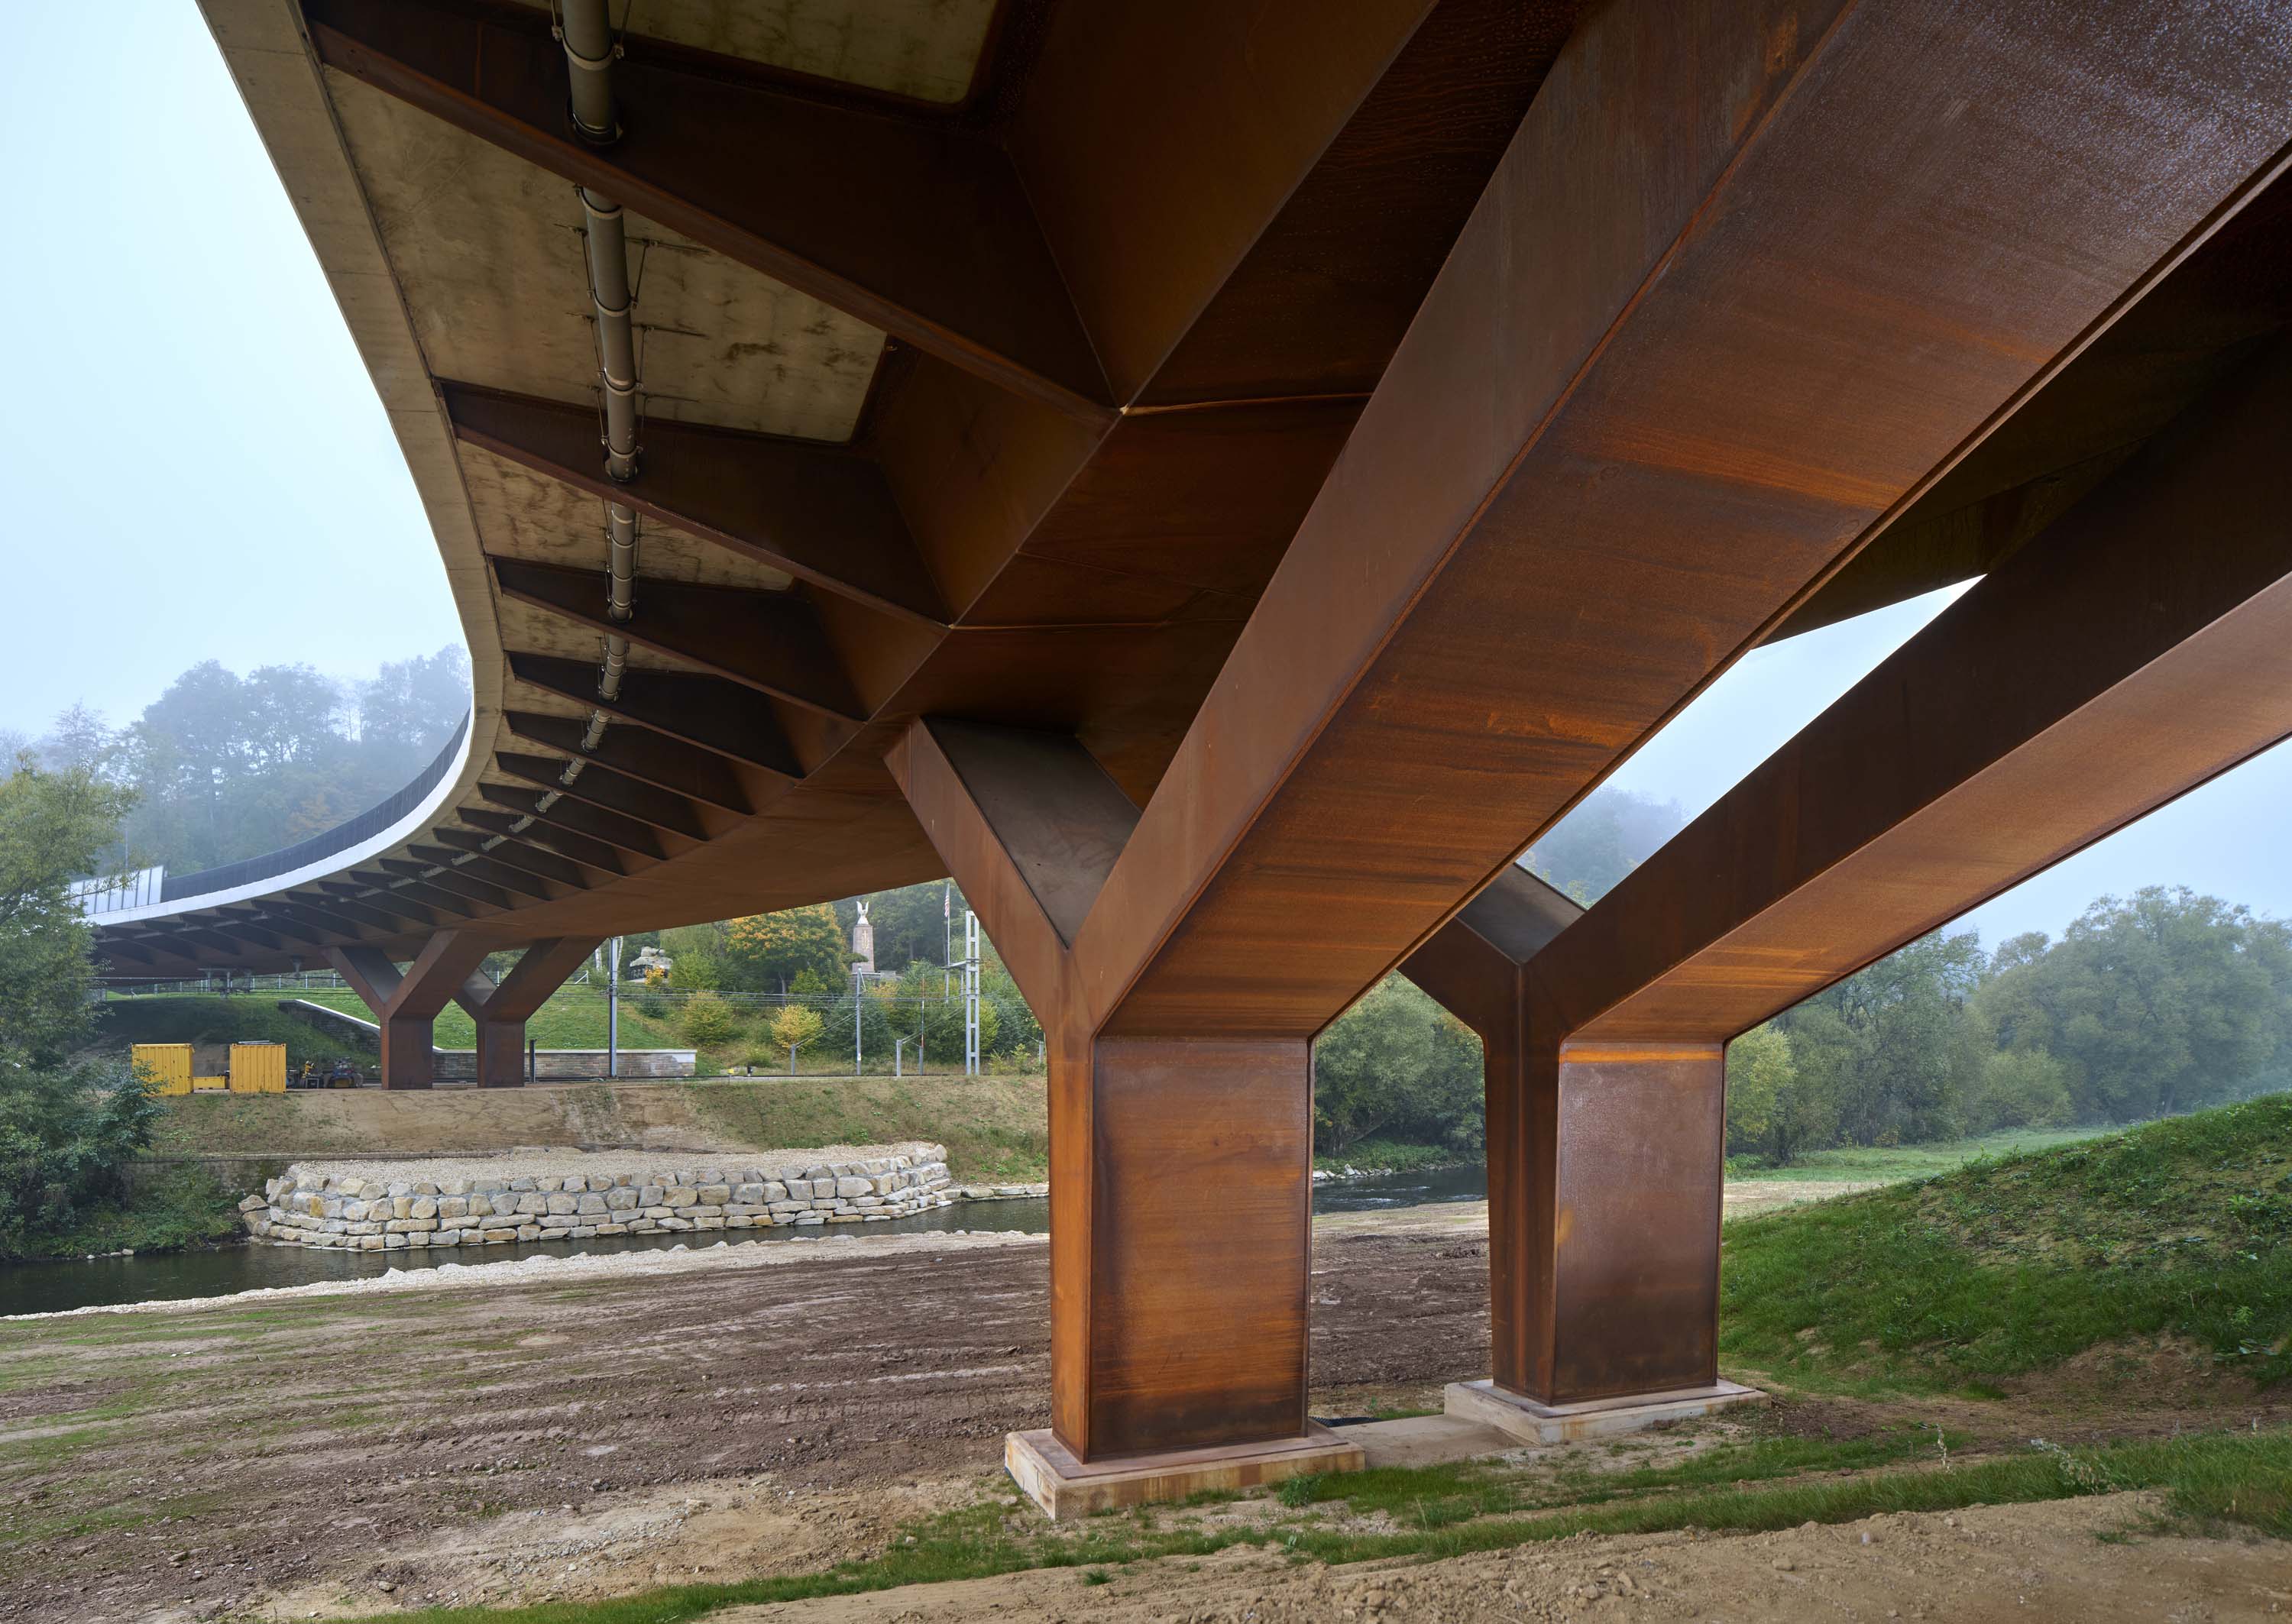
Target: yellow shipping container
258, 1068
208, 1085
165, 1068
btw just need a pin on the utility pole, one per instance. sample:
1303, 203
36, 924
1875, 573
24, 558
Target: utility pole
857, 982
947, 911
613, 1010
970, 993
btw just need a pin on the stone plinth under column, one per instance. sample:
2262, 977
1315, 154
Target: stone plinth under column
1535, 1423
1067, 1488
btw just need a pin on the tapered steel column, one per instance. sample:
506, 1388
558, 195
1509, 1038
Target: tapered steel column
405, 1005
500, 1012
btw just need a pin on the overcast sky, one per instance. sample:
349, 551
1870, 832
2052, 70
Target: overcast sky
204, 470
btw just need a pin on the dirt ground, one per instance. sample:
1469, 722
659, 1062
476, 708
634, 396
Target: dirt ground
353, 1120
567, 1438
2047, 1561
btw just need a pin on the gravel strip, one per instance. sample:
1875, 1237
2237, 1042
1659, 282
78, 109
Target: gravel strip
549, 1161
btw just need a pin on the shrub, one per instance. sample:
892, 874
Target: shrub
66, 1136
709, 1022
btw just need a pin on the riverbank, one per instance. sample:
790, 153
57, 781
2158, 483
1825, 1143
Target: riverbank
580, 1429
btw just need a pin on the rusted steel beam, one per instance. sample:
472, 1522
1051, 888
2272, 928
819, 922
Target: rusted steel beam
610, 827
642, 754
370, 900
448, 879
914, 225
823, 513
602, 787
716, 715
580, 848
401, 890
2138, 646
348, 917
1165, 1335
768, 641
1609, 458
504, 876
516, 854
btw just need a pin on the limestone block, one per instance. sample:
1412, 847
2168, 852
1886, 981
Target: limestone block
676, 1223
746, 1195
481, 1205
424, 1188
826, 1203
533, 1205
582, 1232
846, 1188
560, 1203
652, 1194
643, 1226
528, 1232
622, 1181
715, 1195
682, 1195
589, 1203
790, 1206
866, 1201
843, 1217
816, 1172
523, 1182
812, 1218
708, 1223
454, 1186
774, 1190
425, 1206
447, 1237
370, 1243
396, 1243
551, 1186
451, 1207
620, 1198
740, 1220
556, 1221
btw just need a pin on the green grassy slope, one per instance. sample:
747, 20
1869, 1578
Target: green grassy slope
996, 1129
2179, 1228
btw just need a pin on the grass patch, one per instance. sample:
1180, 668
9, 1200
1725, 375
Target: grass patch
2183, 1228
996, 1128
1889, 1162
168, 1209
2236, 1479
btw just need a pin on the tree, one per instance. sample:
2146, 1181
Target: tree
794, 1026
1611, 833
768, 951
1881, 1046
412, 707
2161, 1002
1399, 1065
54, 826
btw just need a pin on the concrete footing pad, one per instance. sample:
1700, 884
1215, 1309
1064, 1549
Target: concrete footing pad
1067, 1488
1530, 1422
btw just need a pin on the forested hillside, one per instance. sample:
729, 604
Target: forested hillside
222, 766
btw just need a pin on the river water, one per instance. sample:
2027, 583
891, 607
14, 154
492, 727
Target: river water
49, 1288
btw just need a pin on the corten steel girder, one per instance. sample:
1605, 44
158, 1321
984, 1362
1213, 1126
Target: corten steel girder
2138, 645
1599, 467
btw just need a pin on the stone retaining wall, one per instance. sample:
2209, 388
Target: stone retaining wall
372, 1214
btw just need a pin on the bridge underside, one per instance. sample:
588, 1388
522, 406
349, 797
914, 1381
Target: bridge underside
1221, 481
